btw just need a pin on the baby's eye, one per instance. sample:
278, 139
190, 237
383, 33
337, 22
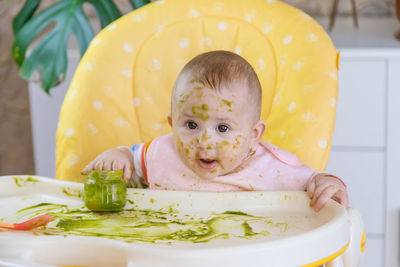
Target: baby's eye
222, 128
191, 125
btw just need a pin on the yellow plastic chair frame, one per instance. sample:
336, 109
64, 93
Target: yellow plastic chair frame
120, 94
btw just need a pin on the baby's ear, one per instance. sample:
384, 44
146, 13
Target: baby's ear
258, 132
169, 117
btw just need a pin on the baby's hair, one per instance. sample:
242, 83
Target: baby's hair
220, 68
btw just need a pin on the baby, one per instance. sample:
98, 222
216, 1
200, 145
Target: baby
215, 143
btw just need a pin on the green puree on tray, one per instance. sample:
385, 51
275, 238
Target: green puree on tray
105, 192
151, 226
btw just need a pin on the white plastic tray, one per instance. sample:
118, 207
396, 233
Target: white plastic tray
296, 234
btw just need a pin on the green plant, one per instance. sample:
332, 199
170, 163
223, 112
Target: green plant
49, 56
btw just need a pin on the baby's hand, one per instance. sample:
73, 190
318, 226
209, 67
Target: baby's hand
323, 187
113, 159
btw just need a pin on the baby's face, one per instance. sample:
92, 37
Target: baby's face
213, 129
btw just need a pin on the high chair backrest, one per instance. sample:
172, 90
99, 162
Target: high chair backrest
120, 94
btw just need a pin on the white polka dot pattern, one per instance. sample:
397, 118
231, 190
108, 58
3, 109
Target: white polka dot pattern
267, 28
126, 73
222, 26
261, 64
322, 143
128, 48
97, 105
136, 101
184, 43
93, 129
333, 102
69, 132
207, 41
292, 106
72, 94
238, 50
112, 27
155, 65
73, 159
312, 37
121, 122
194, 13
288, 39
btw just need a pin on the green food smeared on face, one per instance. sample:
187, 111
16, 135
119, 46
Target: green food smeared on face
179, 142
201, 112
204, 137
237, 142
226, 102
194, 81
149, 226
182, 99
223, 144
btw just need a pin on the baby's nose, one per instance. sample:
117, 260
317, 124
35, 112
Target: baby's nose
204, 140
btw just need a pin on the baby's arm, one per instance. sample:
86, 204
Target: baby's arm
120, 158
323, 187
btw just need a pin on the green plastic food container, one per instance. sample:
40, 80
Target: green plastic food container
105, 191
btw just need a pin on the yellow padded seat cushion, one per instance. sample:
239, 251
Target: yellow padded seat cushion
120, 93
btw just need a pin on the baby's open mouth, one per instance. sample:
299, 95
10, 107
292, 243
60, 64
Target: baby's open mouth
208, 164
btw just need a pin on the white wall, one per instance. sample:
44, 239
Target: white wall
45, 110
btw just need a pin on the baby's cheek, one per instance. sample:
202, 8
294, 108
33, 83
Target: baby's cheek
189, 148
237, 149
237, 142
179, 144
224, 147
185, 146
227, 151
240, 142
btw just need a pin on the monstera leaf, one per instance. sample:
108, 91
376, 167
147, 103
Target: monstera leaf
49, 56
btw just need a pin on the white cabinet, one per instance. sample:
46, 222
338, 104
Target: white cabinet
393, 166
361, 104
366, 146
363, 173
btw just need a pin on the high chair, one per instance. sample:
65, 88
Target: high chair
120, 94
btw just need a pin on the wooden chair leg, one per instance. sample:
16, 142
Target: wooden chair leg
333, 14
398, 17
355, 18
